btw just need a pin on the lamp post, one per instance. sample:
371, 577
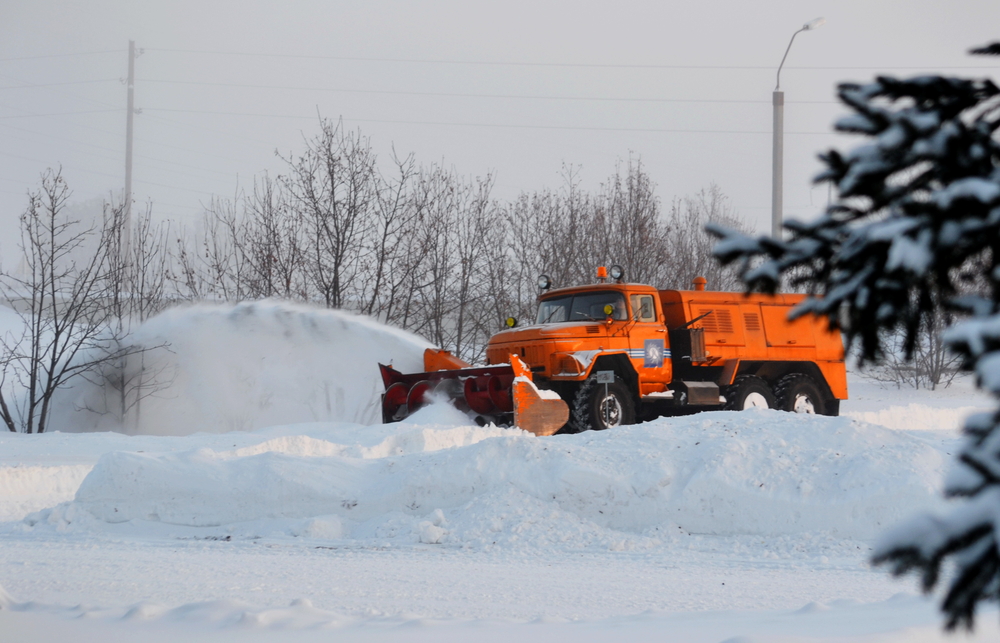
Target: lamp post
778, 133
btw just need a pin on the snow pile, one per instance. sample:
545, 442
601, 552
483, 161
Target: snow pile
761, 473
25, 488
11, 323
917, 417
215, 368
909, 409
902, 618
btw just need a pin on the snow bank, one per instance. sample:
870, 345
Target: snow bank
909, 409
24, 489
918, 417
11, 323
900, 619
760, 473
215, 368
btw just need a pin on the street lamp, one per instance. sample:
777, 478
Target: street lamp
778, 130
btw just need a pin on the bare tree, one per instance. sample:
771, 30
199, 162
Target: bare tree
62, 296
389, 261
931, 364
274, 242
633, 233
432, 252
333, 184
690, 247
137, 290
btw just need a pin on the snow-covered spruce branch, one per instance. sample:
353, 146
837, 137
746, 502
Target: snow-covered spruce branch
916, 221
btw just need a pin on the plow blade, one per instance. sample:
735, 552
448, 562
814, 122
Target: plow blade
504, 393
535, 411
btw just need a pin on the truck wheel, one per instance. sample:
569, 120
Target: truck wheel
595, 410
749, 391
798, 393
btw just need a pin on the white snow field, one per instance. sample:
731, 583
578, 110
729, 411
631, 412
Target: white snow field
737, 527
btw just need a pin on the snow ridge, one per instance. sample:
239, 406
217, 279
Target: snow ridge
764, 473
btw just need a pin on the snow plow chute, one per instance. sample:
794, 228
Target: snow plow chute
500, 393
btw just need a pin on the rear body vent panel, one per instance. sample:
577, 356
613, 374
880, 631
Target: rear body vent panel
716, 320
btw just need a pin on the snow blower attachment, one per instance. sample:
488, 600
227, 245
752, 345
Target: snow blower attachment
502, 393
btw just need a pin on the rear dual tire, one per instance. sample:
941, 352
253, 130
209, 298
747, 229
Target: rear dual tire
794, 393
799, 393
748, 392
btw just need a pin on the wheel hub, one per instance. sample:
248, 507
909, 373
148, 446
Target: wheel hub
611, 411
803, 404
755, 400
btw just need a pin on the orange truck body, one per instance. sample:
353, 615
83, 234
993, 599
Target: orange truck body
743, 335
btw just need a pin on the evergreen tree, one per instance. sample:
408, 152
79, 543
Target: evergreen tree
916, 219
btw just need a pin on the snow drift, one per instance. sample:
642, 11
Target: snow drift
723, 473
25, 488
216, 368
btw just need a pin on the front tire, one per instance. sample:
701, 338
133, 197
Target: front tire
596, 410
747, 392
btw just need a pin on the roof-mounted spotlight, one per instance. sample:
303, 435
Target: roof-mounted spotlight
617, 273
544, 282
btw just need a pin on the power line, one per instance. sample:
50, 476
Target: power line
462, 95
73, 55
90, 111
183, 149
497, 125
184, 165
443, 61
174, 187
70, 82
214, 130
68, 167
181, 172
27, 83
61, 138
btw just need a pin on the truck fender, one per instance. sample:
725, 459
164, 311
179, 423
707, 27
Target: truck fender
620, 363
773, 371
729, 371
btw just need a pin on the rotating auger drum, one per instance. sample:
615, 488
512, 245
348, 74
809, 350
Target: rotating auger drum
502, 394
485, 391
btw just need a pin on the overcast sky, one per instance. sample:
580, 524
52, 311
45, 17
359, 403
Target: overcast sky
515, 88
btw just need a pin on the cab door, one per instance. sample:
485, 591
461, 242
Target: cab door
649, 349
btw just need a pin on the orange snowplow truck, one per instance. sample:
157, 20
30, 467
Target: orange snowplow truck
612, 353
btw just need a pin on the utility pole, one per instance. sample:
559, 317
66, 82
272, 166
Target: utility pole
777, 160
778, 137
127, 223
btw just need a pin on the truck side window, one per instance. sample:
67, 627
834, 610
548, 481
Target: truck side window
642, 308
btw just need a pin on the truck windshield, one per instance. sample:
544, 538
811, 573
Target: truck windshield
587, 306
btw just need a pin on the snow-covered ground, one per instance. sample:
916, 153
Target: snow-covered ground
752, 526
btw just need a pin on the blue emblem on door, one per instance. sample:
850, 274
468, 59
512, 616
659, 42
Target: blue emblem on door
653, 353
